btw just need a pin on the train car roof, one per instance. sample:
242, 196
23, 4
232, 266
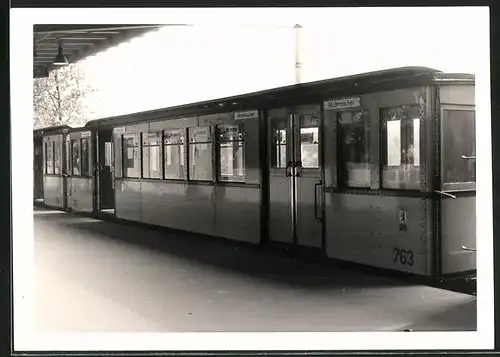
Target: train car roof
458, 78
51, 129
276, 96
289, 95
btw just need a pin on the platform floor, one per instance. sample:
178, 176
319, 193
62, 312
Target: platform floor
97, 276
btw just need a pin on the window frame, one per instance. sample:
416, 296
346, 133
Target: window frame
183, 145
274, 145
124, 148
59, 167
108, 153
44, 153
69, 158
49, 145
88, 158
383, 147
210, 141
218, 142
454, 186
144, 137
341, 183
298, 120
72, 154
67, 163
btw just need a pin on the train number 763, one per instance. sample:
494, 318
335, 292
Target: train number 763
405, 257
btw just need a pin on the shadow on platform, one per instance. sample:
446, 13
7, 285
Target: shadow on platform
251, 261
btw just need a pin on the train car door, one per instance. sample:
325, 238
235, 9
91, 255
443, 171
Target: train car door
295, 192
457, 194
38, 168
66, 149
53, 178
105, 159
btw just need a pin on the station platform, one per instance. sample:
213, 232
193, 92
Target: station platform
101, 276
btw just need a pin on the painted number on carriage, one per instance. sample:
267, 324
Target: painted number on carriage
403, 256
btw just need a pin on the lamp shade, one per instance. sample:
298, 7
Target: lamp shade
60, 60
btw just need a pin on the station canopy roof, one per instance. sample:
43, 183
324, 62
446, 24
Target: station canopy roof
78, 42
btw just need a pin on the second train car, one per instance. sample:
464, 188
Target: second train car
376, 168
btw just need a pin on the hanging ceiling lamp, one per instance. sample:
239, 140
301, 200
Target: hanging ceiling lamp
61, 59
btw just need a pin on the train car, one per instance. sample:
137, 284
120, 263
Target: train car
376, 169
80, 172
38, 165
48, 163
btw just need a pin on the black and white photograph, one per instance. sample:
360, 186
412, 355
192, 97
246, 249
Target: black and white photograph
251, 179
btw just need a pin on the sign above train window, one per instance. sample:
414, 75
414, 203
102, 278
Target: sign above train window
119, 130
344, 103
250, 114
85, 134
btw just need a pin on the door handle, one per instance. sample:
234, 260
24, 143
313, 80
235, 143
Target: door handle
468, 157
298, 165
288, 169
468, 249
316, 200
445, 194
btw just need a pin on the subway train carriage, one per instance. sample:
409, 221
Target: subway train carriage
376, 169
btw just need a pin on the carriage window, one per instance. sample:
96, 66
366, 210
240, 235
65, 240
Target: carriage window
401, 147
85, 157
459, 139
231, 153
151, 156
278, 145
309, 139
174, 153
44, 155
38, 157
354, 148
131, 156
67, 166
49, 162
75, 157
57, 158
200, 153
108, 152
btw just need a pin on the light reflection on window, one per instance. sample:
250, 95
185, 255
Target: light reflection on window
401, 163
231, 152
151, 160
49, 163
108, 152
131, 156
416, 142
278, 142
394, 143
57, 158
174, 153
309, 140
200, 154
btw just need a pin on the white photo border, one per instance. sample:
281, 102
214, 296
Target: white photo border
21, 26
